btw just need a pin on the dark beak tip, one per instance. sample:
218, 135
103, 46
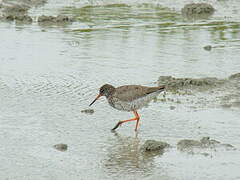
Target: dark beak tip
91, 103
95, 100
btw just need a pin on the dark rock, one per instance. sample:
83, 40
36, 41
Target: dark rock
154, 146
88, 111
61, 147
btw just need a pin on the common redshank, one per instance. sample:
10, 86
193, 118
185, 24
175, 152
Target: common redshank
128, 98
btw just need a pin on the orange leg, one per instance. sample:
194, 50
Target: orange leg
137, 117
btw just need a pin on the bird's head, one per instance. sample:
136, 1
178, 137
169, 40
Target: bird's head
105, 90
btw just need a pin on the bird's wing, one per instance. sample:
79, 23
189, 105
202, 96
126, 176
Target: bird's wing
132, 92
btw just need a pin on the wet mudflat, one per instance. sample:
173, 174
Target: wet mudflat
50, 72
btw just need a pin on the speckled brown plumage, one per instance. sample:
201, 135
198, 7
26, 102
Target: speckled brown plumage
129, 98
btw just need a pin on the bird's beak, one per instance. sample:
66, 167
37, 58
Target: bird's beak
95, 99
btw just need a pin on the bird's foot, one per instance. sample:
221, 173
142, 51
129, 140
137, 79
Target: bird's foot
117, 125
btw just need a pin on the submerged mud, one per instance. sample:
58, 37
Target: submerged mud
191, 145
55, 19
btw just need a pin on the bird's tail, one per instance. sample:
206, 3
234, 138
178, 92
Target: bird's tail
161, 88
155, 89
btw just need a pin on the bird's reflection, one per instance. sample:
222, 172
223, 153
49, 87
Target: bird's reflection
125, 156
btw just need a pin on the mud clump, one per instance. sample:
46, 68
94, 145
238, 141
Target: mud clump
54, 20
61, 147
177, 83
88, 111
197, 10
154, 146
205, 142
207, 48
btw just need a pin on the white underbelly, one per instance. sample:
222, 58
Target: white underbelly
133, 105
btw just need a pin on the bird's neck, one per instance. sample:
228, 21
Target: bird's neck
110, 93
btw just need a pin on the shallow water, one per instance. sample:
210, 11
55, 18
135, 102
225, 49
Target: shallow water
48, 74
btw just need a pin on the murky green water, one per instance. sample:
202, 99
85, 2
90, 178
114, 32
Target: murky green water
48, 74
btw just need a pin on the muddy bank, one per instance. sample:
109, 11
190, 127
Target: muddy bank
202, 92
172, 83
207, 83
